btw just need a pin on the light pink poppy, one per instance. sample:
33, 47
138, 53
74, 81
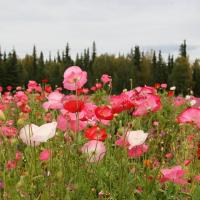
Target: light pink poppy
178, 101
95, 150
54, 101
74, 78
65, 122
190, 115
105, 78
174, 175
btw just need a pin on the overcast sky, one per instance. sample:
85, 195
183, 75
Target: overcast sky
115, 25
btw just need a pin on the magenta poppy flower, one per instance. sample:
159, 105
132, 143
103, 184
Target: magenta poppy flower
190, 115
74, 78
105, 78
45, 155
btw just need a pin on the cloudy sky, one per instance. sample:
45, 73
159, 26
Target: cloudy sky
115, 25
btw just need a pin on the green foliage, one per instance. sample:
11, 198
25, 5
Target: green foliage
181, 76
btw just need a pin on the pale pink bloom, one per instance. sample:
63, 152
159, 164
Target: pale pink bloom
169, 155
137, 151
190, 115
155, 123
32, 134
18, 88
74, 78
95, 150
105, 78
45, 155
142, 91
54, 101
20, 98
197, 178
178, 101
163, 85
174, 175
32, 85
64, 123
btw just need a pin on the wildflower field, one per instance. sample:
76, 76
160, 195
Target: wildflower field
75, 143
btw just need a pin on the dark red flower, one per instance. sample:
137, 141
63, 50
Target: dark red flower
170, 94
95, 133
198, 151
74, 106
45, 81
104, 112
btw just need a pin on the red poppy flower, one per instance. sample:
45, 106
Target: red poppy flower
45, 81
157, 85
74, 106
48, 89
95, 133
104, 112
170, 94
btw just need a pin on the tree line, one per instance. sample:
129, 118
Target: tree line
134, 69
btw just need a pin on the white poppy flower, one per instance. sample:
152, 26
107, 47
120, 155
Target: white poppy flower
32, 134
135, 138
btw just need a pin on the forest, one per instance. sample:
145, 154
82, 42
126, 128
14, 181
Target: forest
136, 68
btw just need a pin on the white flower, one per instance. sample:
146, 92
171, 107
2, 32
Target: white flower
193, 102
135, 138
32, 134
173, 88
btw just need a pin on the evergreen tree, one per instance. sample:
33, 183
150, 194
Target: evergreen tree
137, 67
181, 76
35, 70
183, 49
196, 77
41, 67
94, 51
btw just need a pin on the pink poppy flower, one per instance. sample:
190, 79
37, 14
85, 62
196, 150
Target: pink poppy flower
54, 101
137, 151
65, 122
74, 78
11, 164
178, 101
105, 78
8, 131
190, 115
174, 175
164, 85
45, 155
95, 150
147, 103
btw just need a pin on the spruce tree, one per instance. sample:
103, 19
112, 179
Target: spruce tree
196, 77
